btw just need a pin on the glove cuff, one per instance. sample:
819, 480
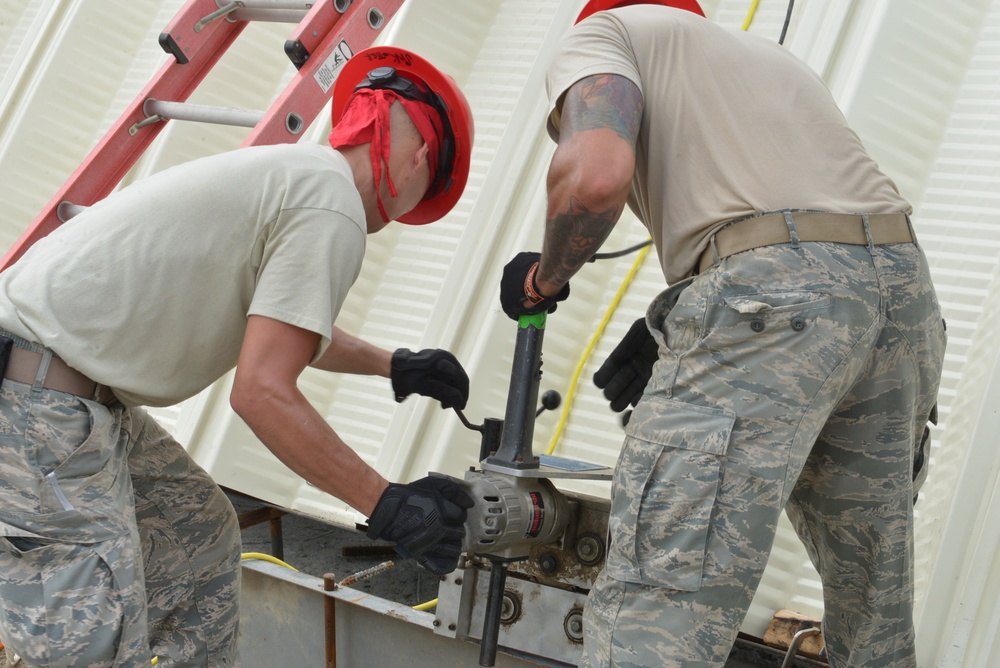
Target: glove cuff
400, 358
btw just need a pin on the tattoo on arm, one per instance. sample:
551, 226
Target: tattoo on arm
608, 101
576, 234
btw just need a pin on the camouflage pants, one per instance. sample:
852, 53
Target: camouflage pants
114, 545
792, 375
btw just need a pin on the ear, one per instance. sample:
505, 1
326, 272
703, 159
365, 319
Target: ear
421, 156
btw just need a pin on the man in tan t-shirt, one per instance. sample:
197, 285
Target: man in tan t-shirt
793, 362
237, 260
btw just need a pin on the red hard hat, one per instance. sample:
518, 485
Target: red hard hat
444, 95
600, 5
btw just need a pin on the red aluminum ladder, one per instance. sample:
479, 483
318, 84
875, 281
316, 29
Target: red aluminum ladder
328, 32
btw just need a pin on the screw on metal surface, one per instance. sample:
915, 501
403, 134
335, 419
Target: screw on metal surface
548, 563
573, 625
510, 608
589, 549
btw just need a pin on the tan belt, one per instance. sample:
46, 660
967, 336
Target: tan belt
771, 228
22, 367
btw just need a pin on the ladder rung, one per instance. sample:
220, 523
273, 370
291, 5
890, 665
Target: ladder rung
277, 4
287, 11
182, 111
67, 210
271, 15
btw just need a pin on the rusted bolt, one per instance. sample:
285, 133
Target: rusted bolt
589, 549
573, 625
510, 607
548, 563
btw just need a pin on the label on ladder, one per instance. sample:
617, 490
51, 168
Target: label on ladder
328, 71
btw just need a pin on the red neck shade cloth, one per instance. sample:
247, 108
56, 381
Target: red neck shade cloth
366, 120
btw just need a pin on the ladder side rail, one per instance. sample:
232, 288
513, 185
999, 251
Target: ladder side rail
196, 47
317, 24
309, 90
109, 161
192, 32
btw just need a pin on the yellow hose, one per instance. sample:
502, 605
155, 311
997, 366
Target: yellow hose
750, 13
265, 557
575, 380
426, 606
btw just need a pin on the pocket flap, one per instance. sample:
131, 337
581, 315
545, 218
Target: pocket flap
676, 424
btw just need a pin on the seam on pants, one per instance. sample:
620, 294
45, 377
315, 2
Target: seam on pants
197, 604
876, 323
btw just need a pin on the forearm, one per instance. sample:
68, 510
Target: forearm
573, 233
298, 436
584, 204
349, 354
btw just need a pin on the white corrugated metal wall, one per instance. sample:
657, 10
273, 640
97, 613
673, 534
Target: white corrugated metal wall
919, 81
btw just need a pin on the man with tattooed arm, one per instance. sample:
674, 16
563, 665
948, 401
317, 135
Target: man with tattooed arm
792, 362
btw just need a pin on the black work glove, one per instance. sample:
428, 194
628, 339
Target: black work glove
425, 519
432, 373
625, 373
518, 285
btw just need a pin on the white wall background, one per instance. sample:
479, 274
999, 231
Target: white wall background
919, 80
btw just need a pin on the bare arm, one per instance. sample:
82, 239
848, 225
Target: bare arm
590, 175
266, 396
349, 354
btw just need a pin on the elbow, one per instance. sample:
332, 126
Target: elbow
241, 401
248, 398
596, 189
601, 191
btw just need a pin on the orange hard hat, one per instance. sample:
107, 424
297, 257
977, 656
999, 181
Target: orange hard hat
600, 5
414, 78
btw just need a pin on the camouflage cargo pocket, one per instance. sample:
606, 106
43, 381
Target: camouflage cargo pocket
61, 602
663, 492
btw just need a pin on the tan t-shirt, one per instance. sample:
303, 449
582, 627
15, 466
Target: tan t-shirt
733, 125
148, 291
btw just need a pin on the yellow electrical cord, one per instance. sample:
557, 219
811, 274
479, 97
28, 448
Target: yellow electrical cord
750, 13
426, 606
265, 557
274, 560
575, 380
